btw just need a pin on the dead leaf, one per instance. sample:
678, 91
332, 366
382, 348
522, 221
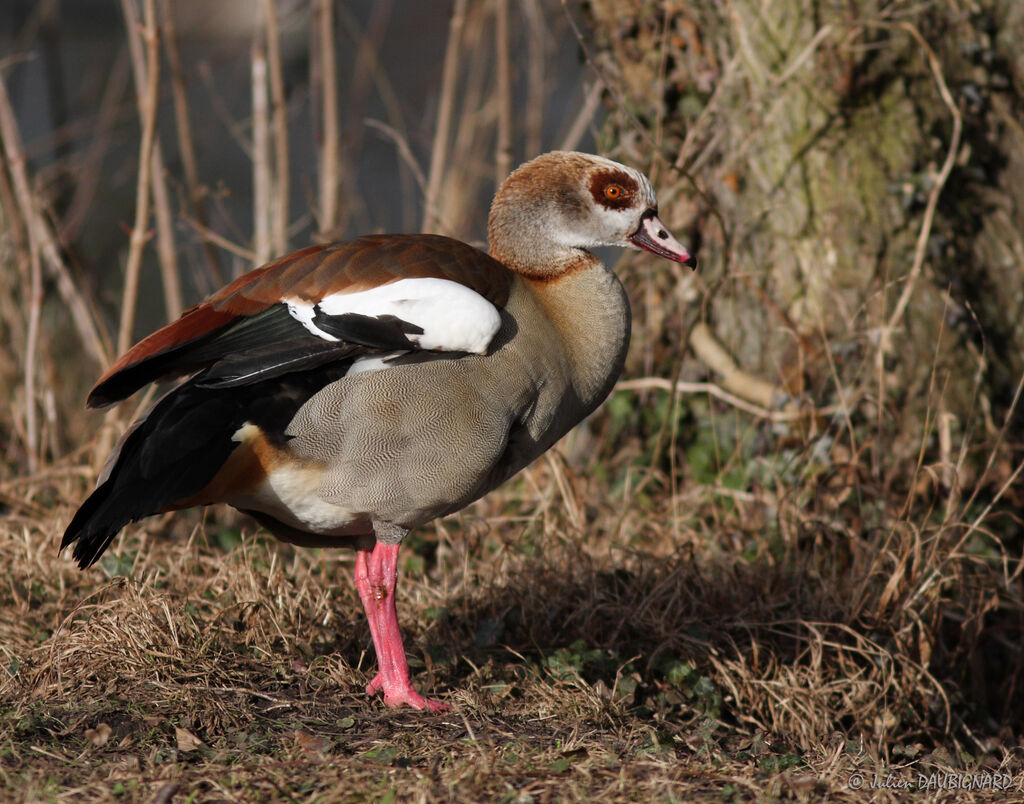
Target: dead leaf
98, 736
311, 744
187, 741
166, 793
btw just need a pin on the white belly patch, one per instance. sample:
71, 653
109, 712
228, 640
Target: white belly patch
291, 494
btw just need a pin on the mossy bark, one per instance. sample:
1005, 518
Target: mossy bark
799, 142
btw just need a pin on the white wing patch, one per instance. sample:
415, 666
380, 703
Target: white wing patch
453, 317
303, 313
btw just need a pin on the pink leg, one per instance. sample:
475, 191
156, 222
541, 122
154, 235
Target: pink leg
376, 574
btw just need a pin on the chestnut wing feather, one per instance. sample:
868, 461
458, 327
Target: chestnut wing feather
245, 332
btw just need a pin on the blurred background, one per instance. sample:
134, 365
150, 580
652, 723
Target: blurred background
817, 441
72, 76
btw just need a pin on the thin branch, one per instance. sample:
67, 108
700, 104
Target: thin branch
803, 56
35, 301
788, 414
714, 356
34, 293
449, 80
166, 248
329, 157
39, 228
473, 122
279, 207
365, 71
584, 117
368, 62
536, 44
16, 224
210, 236
982, 481
503, 146
186, 143
921, 247
235, 128
640, 129
262, 185
89, 176
403, 149
885, 339
659, 91
182, 118
142, 187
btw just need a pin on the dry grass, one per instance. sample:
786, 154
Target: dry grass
630, 664
709, 591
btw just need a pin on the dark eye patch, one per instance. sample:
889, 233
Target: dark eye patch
600, 180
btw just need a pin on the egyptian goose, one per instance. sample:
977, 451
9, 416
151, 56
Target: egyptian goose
347, 393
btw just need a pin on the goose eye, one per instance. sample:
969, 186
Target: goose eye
613, 191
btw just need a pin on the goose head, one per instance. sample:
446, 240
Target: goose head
552, 210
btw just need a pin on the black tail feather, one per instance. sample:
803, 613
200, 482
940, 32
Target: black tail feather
175, 451
90, 530
172, 454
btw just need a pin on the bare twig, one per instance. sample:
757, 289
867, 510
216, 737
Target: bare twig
787, 414
885, 343
663, 48
39, 229
88, 178
16, 226
35, 300
368, 63
167, 252
638, 127
662, 384
471, 127
34, 290
186, 143
1010, 417
1007, 484
329, 157
235, 128
262, 183
166, 248
503, 149
803, 56
536, 45
148, 105
279, 206
210, 236
584, 117
366, 70
739, 382
442, 131
947, 472
403, 149
33, 294
52, 53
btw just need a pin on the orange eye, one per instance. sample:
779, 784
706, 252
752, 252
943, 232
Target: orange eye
613, 191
